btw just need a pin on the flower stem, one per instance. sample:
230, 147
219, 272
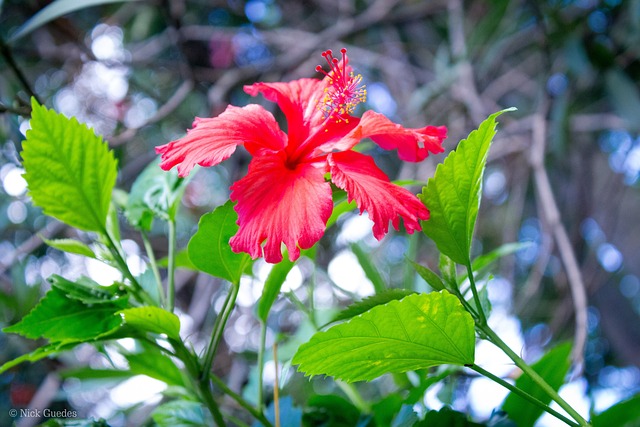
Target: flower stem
218, 328
535, 377
263, 341
171, 291
154, 265
522, 394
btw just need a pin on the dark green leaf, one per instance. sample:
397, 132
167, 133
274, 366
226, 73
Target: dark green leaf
553, 367
329, 409
55, 10
87, 291
153, 319
368, 303
446, 417
369, 267
429, 276
272, 285
209, 248
95, 374
453, 194
71, 246
181, 413
59, 318
38, 354
622, 414
69, 170
74, 422
419, 331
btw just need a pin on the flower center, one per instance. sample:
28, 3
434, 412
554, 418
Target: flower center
345, 89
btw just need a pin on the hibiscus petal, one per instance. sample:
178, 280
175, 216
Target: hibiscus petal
413, 145
213, 140
365, 183
298, 100
278, 204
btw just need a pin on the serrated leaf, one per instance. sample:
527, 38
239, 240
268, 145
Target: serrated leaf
59, 318
70, 172
553, 367
55, 10
622, 414
152, 363
272, 285
369, 268
71, 246
209, 248
181, 413
428, 275
453, 194
368, 303
87, 291
152, 319
154, 194
417, 332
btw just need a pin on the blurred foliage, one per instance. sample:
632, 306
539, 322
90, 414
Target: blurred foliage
138, 72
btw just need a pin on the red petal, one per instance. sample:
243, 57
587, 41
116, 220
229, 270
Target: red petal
277, 204
298, 100
413, 145
363, 181
211, 141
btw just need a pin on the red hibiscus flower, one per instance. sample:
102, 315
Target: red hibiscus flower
285, 197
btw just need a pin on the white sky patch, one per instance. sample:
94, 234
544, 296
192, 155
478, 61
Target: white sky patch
12, 181
138, 389
574, 394
484, 396
345, 271
103, 274
356, 228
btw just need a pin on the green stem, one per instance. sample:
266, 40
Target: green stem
263, 341
202, 387
354, 395
171, 284
535, 377
154, 265
218, 328
476, 297
523, 394
257, 414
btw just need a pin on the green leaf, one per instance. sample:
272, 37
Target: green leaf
69, 170
209, 248
419, 331
153, 319
60, 318
38, 354
272, 285
369, 267
330, 410
446, 417
487, 259
368, 303
154, 194
152, 363
87, 291
553, 367
89, 373
71, 246
622, 414
453, 194
448, 270
74, 422
181, 413
55, 10
428, 275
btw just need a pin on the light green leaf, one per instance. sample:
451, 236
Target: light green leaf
152, 319
209, 248
369, 268
59, 318
71, 246
155, 193
453, 194
622, 414
181, 413
428, 275
70, 171
417, 332
368, 303
272, 285
155, 364
553, 367
55, 10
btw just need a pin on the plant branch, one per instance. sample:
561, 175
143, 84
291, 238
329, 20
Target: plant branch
154, 266
476, 297
218, 328
257, 414
8, 57
171, 268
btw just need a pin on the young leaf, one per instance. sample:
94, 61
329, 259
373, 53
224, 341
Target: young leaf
419, 331
272, 285
622, 414
59, 318
152, 319
428, 275
71, 246
369, 267
209, 248
368, 303
553, 367
87, 291
453, 194
69, 170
